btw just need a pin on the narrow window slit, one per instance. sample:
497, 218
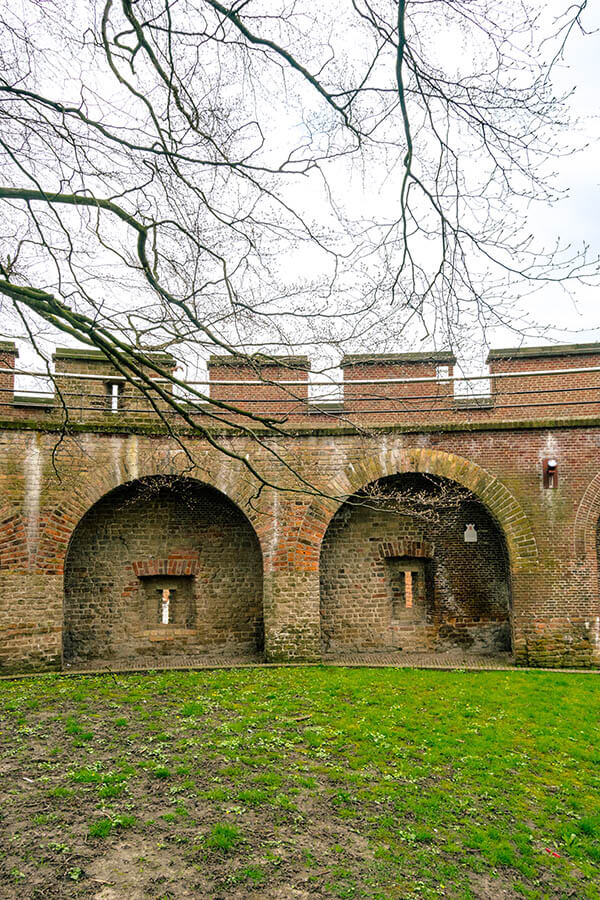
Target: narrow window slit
165, 596
408, 588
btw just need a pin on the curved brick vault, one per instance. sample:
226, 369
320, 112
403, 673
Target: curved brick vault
503, 506
60, 523
171, 533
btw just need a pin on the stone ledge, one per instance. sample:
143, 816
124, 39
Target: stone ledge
551, 350
167, 633
365, 359
99, 356
260, 361
299, 430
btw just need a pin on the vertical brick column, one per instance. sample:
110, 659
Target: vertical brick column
8, 355
291, 598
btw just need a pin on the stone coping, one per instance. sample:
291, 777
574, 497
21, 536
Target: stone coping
99, 356
9, 347
553, 350
60, 427
377, 359
33, 400
259, 360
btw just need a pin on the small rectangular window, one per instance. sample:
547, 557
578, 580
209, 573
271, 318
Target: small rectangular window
442, 371
113, 391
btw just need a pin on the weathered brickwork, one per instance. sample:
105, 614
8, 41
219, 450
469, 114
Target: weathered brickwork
86, 552
459, 591
153, 535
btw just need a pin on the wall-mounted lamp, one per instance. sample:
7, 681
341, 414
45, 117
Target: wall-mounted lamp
550, 473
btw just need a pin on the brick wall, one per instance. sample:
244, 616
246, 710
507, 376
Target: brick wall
51, 479
268, 397
8, 355
162, 534
105, 393
261, 386
461, 589
400, 401
545, 395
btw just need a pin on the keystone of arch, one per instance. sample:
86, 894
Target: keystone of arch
503, 506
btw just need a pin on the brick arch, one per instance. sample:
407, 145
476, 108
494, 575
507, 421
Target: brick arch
520, 540
586, 520
60, 522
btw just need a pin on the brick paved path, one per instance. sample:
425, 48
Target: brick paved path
450, 660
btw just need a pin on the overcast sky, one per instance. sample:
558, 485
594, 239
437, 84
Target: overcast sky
577, 218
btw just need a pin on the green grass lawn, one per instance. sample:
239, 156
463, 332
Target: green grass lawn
301, 783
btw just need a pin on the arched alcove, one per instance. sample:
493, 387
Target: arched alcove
161, 566
398, 571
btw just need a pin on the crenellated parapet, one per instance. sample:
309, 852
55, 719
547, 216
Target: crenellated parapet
378, 389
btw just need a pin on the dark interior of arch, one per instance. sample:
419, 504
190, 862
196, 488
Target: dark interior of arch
458, 593
158, 538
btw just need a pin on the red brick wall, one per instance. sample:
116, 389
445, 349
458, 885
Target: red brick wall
267, 399
542, 396
393, 401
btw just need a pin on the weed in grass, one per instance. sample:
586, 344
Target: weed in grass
161, 772
103, 827
108, 791
255, 874
223, 837
253, 797
86, 776
45, 818
193, 708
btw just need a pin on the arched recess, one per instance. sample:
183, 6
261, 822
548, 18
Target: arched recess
162, 565
398, 573
503, 506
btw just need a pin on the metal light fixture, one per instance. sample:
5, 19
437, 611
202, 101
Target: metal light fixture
550, 473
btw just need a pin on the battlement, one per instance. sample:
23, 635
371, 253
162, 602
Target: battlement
260, 384
376, 389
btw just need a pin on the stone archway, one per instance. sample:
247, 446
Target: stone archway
61, 520
504, 507
163, 565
